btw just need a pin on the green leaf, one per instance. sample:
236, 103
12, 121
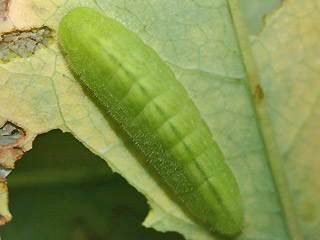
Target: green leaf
269, 136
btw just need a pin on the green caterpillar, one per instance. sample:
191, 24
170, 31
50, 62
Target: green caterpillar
143, 95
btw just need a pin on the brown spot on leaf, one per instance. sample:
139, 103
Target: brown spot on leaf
11, 136
258, 93
17, 152
5, 215
24, 43
4, 6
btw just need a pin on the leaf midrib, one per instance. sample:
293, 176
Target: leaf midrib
262, 115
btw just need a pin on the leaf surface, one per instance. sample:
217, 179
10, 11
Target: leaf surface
205, 47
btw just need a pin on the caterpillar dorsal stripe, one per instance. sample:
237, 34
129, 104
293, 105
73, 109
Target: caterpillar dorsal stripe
143, 95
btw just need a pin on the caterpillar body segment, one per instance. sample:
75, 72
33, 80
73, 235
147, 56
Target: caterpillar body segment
143, 95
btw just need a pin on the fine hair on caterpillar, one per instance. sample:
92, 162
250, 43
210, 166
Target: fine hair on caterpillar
142, 94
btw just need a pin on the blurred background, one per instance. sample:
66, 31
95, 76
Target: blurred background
60, 190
